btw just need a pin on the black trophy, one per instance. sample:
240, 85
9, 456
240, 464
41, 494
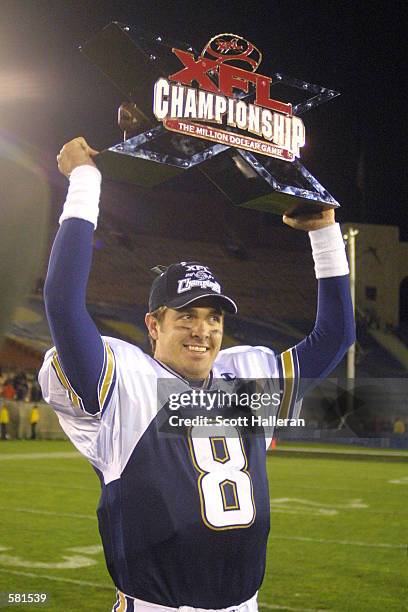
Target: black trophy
150, 154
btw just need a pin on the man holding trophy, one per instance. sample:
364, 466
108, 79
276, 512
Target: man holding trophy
184, 514
184, 520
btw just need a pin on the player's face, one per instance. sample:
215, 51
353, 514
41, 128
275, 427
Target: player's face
188, 340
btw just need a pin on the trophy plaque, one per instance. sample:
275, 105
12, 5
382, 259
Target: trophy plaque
211, 111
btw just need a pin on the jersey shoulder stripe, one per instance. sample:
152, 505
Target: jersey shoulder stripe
107, 377
289, 382
74, 398
106, 381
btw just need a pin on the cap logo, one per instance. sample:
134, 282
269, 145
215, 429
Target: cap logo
201, 275
196, 268
186, 284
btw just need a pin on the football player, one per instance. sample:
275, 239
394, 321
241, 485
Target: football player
184, 519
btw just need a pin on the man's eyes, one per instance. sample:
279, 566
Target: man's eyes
213, 318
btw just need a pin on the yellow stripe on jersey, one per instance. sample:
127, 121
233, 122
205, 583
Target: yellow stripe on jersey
123, 604
73, 396
105, 380
107, 375
288, 370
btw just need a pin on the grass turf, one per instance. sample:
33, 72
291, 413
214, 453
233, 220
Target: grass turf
338, 539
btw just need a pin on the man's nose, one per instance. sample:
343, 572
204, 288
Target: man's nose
200, 329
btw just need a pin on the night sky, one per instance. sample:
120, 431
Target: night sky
355, 145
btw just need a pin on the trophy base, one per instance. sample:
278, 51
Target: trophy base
282, 204
267, 184
244, 179
134, 170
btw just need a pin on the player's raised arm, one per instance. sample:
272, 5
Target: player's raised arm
334, 331
80, 351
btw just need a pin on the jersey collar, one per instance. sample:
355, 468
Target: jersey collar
195, 384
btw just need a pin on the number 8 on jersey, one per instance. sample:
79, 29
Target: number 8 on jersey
224, 485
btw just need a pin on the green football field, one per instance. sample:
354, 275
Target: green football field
338, 541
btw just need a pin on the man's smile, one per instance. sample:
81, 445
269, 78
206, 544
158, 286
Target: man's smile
196, 348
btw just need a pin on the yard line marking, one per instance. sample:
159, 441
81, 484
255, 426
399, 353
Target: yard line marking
279, 481
57, 455
58, 579
40, 483
87, 550
68, 562
295, 505
27, 469
403, 480
345, 542
49, 513
347, 451
278, 607
350, 504
80, 558
61, 467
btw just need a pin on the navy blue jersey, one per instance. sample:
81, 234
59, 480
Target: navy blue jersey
184, 510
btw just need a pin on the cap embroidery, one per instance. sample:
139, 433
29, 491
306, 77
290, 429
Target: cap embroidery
188, 283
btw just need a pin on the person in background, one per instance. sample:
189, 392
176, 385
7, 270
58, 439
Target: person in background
34, 418
9, 392
4, 421
21, 386
399, 426
35, 393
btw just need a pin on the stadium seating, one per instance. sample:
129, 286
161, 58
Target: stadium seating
269, 285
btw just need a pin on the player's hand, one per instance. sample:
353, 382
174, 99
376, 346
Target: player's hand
75, 153
311, 221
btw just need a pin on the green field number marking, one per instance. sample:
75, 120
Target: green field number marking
295, 505
403, 480
71, 561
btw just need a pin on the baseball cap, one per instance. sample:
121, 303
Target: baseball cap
183, 283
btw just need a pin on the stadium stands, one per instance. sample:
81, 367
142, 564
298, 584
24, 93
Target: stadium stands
270, 285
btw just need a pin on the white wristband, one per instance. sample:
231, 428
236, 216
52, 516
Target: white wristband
329, 253
82, 200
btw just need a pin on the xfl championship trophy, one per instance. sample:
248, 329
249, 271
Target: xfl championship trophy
212, 111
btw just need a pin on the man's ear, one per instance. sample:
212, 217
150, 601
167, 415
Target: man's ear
152, 324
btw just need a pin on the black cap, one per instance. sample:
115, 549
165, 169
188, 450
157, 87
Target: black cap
183, 283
